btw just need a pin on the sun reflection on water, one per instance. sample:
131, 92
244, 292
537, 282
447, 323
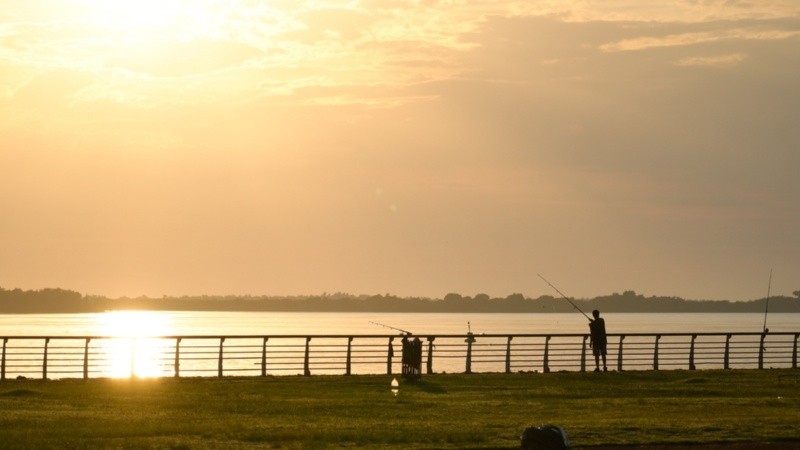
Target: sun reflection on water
133, 351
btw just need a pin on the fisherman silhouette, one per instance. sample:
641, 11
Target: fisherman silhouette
412, 357
598, 340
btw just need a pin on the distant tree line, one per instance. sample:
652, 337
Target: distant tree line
66, 301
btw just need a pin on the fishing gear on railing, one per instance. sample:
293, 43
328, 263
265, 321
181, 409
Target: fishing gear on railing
766, 308
764, 329
470, 337
565, 297
392, 328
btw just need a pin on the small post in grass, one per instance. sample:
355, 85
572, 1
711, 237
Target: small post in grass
264, 357
86, 359
508, 354
469, 341
583, 353
178, 357
219, 361
133, 357
429, 364
727, 360
546, 362
3, 363
306, 364
655, 353
389, 356
347, 370
44, 359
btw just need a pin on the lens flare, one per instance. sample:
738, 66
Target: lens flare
131, 349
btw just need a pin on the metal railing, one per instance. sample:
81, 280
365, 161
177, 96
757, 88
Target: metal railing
105, 356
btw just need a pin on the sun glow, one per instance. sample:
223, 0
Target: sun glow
134, 14
132, 351
156, 19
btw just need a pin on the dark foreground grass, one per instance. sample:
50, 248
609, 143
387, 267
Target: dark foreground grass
440, 411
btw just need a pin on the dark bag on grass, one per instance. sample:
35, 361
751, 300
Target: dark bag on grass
545, 437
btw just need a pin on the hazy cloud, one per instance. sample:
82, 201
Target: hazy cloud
713, 61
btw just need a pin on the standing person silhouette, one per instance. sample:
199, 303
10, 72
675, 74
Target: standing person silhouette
598, 340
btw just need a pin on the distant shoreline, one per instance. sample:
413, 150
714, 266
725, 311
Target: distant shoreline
17, 301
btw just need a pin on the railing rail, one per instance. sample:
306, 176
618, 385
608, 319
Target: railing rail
206, 355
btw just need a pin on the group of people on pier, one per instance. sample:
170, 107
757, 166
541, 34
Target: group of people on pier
412, 357
598, 342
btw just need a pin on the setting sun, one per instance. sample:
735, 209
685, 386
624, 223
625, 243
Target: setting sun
132, 351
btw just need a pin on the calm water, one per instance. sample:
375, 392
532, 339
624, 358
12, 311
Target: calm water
276, 323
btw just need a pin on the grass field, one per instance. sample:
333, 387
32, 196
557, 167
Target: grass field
440, 411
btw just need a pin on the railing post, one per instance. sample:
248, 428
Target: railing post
691, 353
306, 363
44, 359
133, 357
220, 359
264, 357
619, 355
583, 353
508, 354
86, 359
389, 356
429, 364
655, 353
178, 357
349, 355
469, 341
726, 364
3, 363
546, 362
761, 350
794, 351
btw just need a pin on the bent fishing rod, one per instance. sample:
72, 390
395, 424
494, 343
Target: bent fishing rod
766, 308
391, 328
565, 297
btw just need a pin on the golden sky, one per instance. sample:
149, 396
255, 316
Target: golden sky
170, 147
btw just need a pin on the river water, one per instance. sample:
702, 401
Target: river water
170, 323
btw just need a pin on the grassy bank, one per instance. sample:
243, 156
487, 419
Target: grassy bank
441, 411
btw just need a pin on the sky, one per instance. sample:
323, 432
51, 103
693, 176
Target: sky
404, 147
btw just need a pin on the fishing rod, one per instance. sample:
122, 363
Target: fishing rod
470, 336
390, 327
565, 297
766, 308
